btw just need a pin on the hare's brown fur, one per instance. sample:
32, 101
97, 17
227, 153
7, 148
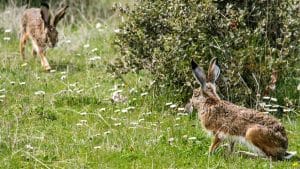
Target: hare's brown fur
36, 25
225, 120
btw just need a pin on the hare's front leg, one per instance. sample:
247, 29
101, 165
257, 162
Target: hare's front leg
44, 61
216, 141
23, 41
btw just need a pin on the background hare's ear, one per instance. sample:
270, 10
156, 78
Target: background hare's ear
199, 74
59, 15
213, 71
45, 13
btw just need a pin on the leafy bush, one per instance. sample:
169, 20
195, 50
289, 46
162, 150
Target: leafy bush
251, 39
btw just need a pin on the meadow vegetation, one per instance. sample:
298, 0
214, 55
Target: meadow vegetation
67, 118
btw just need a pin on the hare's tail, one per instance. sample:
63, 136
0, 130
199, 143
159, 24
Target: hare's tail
289, 154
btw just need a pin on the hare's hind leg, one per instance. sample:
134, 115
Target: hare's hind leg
268, 143
23, 40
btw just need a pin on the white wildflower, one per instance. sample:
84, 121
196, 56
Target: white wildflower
273, 99
22, 83
180, 109
115, 88
63, 77
40, 92
68, 41
95, 58
132, 90
12, 82
270, 110
171, 140
117, 30
262, 104
79, 124
79, 91
275, 106
152, 82
6, 38
94, 50
102, 109
173, 106
153, 124
182, 114
97, 147
130, 108
118, 98
29, 147
134, 123
83, 113
124, 111
86, 46
107, 132
52, 71
73, 84
169, 104
287, 110
192, 138
117, 124
298, 87
24, 64
144, 94
98, 25
7, 30
2, 96
148, 113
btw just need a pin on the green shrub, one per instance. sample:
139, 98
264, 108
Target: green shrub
250, 38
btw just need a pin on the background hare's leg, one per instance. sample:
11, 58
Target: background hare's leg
215, 144
33, 52
23, 40
267, 142
231, 146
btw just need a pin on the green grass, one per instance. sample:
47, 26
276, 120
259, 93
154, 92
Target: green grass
75, 124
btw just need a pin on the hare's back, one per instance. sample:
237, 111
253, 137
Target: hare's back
32, 16
250, 117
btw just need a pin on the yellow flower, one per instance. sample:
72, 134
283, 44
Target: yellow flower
296, 164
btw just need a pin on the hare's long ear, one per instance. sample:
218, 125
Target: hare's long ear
46, 16
199, 74
213, 71
59, 15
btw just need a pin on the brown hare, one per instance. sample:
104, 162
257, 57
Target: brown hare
37, 25
261, 133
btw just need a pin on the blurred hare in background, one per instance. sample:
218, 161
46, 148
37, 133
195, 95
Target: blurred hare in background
36, 24
261, 133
